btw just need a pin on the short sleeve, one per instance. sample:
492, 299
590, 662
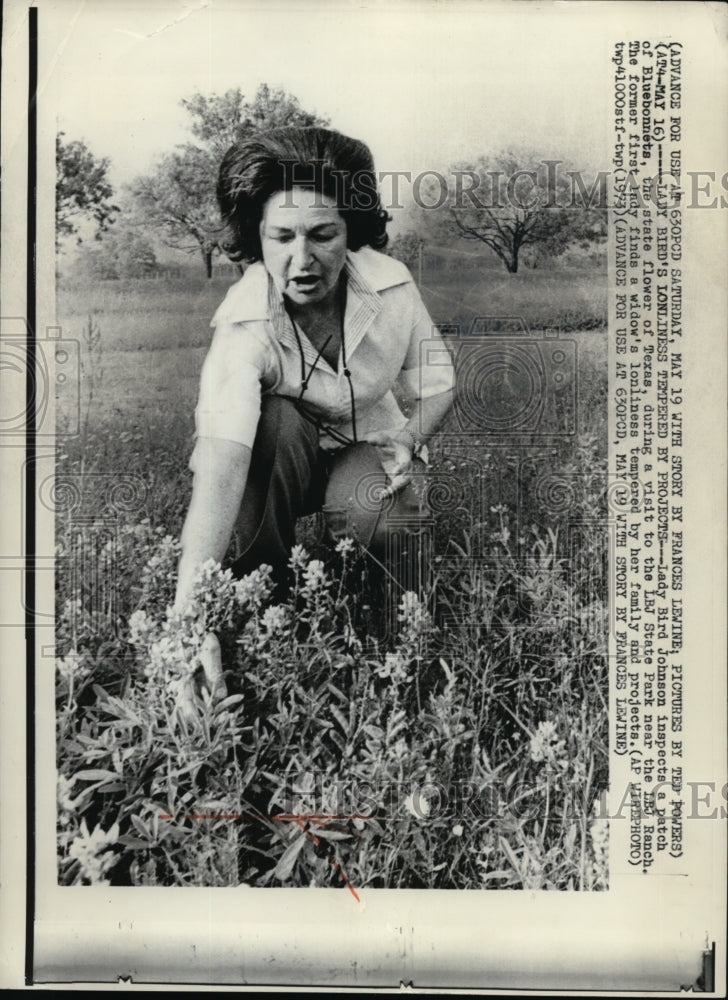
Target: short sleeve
240, 361
428, 368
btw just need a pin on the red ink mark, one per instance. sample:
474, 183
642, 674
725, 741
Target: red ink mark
304, 821
329, 855
321, 819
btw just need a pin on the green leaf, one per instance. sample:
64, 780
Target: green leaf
142, 828
332, 834
96, 774
498, 874
332, 689
509, 853
133, 842
112, 786
288, 859
230, 702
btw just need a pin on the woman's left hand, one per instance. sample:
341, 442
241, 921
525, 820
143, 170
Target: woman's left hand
398, 458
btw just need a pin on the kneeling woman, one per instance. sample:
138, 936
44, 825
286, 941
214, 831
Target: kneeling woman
296, 410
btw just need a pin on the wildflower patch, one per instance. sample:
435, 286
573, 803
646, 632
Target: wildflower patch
319, 755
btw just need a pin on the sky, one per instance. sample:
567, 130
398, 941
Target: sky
424, 84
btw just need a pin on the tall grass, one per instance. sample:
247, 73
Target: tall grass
464, 747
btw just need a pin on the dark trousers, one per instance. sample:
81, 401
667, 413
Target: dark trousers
291, 476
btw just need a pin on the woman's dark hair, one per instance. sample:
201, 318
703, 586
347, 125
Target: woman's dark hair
315, 158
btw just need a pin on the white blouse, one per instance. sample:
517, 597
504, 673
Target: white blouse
389, 338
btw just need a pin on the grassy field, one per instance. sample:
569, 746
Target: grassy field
466, 746
155, 333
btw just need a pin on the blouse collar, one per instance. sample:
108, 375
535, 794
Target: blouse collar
255, 296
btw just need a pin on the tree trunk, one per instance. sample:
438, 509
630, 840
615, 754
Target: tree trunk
207, 258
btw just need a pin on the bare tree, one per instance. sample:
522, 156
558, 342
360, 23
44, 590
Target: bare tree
511, 203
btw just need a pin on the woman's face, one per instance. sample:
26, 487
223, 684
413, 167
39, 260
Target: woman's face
303, 238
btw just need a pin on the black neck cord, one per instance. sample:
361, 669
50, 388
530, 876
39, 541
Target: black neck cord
347, 373
306, 378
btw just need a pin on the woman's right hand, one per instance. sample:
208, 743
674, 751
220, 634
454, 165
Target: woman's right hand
208, 677
211, 660
220, 474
